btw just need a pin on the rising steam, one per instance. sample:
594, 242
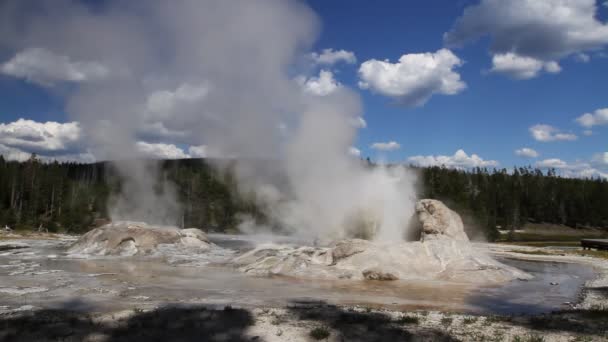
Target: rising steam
221, 74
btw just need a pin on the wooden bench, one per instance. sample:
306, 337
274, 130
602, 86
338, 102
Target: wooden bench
595, 243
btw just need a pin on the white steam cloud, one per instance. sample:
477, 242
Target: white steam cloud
216, 74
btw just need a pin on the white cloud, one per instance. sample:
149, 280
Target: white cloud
415, 78
161, 151
386, 146
359, 122
47, 68
331, 56
526, 152
163, 104
547, 133
460, 160
48, 140
158, 130
575, 170
521, 68
11, 153
552, 163
198, 151
545, 30
601, 158
582, 57
323, 85
353, 151
597, 118
588, 132
40, 137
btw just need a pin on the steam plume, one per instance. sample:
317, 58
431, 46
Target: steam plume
221, 74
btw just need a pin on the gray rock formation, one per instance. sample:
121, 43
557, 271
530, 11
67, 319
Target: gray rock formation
444, 253
439, 221
128, 239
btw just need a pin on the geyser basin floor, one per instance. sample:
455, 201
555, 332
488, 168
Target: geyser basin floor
42, 276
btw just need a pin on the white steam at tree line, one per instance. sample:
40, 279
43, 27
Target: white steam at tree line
221, 74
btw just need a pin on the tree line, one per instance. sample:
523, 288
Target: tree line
73, 197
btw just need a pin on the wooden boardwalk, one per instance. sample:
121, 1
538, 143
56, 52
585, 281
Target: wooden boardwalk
595, 243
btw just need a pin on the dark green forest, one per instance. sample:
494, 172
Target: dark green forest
71, 197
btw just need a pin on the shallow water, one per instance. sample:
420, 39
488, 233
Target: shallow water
44, 276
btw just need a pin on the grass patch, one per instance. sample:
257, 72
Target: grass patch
528, 338
531, 252
591, 253
583, 339
469, 320
447, 320
489, 320
408, 319
596, 312
535, 237
319, 333
546, 243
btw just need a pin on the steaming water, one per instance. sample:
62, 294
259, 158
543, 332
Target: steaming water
43, 276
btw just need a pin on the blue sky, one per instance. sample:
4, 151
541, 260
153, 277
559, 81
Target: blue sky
491, 115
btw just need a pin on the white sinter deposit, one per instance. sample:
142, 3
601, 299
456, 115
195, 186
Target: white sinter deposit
129, 239
443, 253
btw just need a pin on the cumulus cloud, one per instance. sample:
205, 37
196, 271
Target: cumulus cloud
158, 131
460, 160
552, 163
11, 153
40, 137
526, 152
588, 132
161, 151
353, 151
547, 133
544, 31
204, 151
386, 146
44, 67
322, 85
575, 170
415, 78
601, 158
521, 68
331, 56
597, 118
582, 57
359, 122
163, 104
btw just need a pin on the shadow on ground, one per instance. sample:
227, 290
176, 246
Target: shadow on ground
166, 324
354, 325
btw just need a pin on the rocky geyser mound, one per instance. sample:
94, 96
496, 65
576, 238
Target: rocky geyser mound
443, 253
129, 239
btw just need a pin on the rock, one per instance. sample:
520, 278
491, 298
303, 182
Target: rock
20, 291
439, 221
444, 253
345, 248
378, 274
128, 239
6, 246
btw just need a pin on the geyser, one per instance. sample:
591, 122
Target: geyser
444, 253
137, 238
229, 76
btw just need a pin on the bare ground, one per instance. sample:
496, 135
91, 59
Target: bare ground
311, 321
